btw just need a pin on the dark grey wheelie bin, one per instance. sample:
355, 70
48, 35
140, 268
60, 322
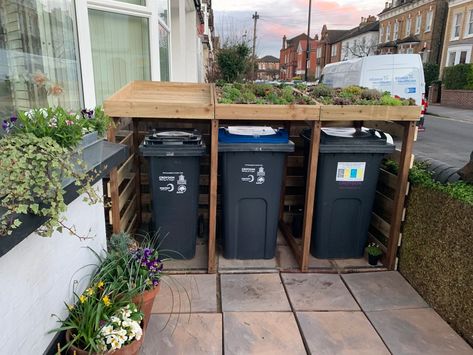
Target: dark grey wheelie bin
347, 176
252, 167
174, 168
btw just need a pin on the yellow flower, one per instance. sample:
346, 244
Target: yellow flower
70, 307
89, 291
106, 301
82, 298
100, 284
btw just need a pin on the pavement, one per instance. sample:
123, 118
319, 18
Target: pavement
448, 135
296, 313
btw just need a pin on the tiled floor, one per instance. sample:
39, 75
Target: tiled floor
293, 313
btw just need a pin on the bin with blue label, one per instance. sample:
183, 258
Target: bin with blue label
174, 169
347, 175
252, 169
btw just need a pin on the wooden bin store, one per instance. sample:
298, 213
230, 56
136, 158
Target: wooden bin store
143, 105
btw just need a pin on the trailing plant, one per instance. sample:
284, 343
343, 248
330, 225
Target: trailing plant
374, 249
32, 170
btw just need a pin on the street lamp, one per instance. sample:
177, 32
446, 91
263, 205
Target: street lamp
307, 53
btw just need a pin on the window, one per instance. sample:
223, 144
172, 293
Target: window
120, 50
396, 30
459, 55
418, 23
410, 50
456, 25
381, 34
319, 52
462, 57
469, 24
334, 50
451, 59
39, 61
408, 27
388, 32
428, 21
164, 53
163, 11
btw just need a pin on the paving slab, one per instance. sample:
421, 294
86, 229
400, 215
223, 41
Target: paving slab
315, 263
285, 258
198, 262
253, 293
417, 331
261, 333
250, 265
187, 293
341, 333
318, 292
376, 291
201, 334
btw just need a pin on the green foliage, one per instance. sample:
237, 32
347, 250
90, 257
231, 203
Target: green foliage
388, 100
458, 77
420, 175
431, 73
233, 62
374, 249
32, 170
322, 90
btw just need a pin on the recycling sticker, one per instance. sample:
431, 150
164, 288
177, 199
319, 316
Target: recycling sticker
253, 174
172, 182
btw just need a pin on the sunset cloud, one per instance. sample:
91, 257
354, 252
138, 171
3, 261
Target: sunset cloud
287, 17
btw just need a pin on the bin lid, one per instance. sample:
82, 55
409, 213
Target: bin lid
352, 140
173, 143
254, 138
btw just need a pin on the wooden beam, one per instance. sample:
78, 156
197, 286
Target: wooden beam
212, 265
291, 241
137, 167
287, 126
310, 194
113, 183
125, 169
400, 194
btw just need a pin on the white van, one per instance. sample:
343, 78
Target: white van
400, 74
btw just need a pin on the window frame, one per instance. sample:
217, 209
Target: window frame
149, 11
428, 21
469, 22
396, 31
381, 34
408, 27
459, 16
418, 24
388, 33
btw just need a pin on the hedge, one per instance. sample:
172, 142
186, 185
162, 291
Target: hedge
458, 77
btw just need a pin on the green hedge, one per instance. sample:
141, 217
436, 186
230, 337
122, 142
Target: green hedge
436, 253
458, 77
431, 74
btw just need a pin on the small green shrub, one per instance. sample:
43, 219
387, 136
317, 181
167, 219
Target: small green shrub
322, 90
374, 249
431, 73
459, 77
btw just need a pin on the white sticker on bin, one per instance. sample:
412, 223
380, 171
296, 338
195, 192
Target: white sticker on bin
251, 130
351, 171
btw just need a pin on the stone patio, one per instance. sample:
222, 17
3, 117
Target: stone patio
293, 313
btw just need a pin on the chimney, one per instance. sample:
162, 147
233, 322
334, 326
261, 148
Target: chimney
386, 5
371, 19
284, 42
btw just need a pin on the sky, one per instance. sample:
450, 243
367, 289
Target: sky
233, 19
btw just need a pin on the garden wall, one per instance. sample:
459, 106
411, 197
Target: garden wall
457, 98
436, 255
37, 276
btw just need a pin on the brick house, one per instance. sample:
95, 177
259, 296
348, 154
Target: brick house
458, 43
328, 48
413, 26
292, 57
268, 68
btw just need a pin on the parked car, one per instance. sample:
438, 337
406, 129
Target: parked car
400, 74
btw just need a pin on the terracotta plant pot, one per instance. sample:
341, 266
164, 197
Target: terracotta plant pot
130, 349
145, 301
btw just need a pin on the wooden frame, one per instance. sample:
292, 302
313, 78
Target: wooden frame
184, 101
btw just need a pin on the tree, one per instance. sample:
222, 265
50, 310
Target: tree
358, 50
234, 61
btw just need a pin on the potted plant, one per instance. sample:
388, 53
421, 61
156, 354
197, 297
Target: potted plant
103, 321
374, 253
139, 266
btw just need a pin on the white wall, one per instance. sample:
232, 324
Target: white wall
371, 42
36, 278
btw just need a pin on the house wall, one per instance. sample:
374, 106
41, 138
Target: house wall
430, 41
351, 51
464, 43
457, 98
37, 276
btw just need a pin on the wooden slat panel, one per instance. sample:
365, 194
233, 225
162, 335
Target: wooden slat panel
387, 178
369, 113
287, 233
372, 238
125, 169
127, 191
383, 206
380, 224
391, 127
267, 112
128, 140
128, 214
131, 225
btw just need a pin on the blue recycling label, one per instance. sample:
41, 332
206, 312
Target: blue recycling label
410, 90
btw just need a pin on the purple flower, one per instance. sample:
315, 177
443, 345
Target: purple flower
13, 119
5, 125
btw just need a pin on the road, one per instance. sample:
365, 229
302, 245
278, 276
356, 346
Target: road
448, 139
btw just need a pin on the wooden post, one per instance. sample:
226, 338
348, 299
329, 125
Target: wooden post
310, 194
400, 193
212, 266
287, 126
137, 169
114, 195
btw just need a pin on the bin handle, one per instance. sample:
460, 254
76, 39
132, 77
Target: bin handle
382, 134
